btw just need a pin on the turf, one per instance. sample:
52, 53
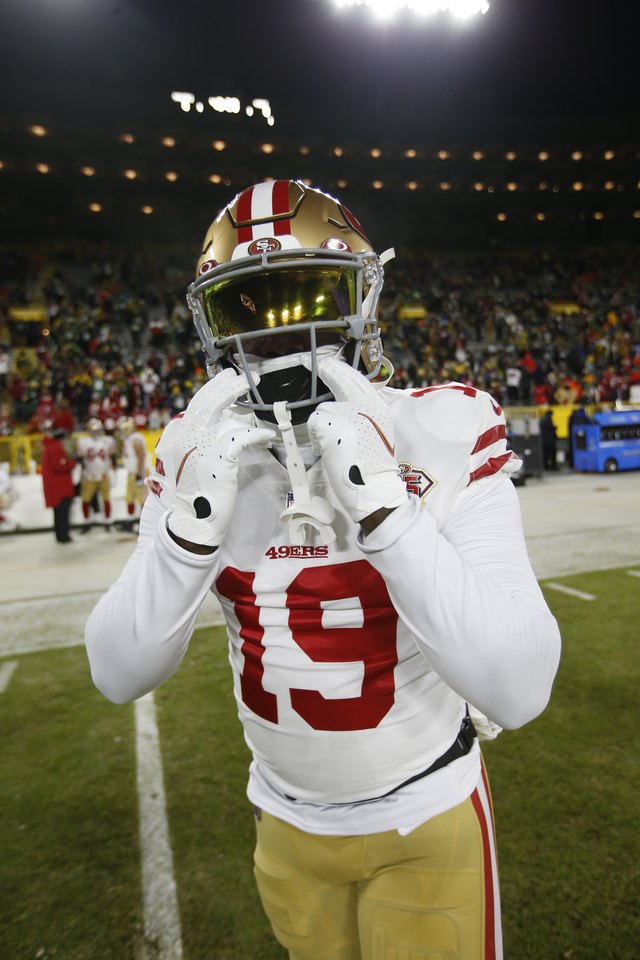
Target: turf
69, 871
564, 791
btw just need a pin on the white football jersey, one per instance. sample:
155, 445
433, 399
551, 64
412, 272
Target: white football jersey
353, 661
96, 453
130, 455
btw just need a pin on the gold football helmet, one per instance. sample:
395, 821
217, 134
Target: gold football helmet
94, 426
286, 273
126, 426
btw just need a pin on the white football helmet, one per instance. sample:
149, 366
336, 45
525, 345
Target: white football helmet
286, 274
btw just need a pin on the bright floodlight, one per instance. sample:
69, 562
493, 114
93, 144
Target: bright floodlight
384, 9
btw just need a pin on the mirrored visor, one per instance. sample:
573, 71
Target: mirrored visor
279, 298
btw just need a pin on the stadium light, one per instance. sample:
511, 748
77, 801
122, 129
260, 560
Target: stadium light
385, 9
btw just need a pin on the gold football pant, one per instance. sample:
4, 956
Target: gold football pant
135, 493
431, 895
89, 488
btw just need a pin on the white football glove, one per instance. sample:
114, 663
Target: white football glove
206, 457
354, 437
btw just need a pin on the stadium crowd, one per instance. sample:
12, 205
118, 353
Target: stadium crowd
110, 334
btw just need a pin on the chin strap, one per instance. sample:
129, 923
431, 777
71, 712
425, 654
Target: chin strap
306, 511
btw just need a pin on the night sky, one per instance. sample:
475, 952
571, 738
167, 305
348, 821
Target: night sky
525, 66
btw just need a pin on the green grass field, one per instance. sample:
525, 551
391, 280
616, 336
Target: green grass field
564, 791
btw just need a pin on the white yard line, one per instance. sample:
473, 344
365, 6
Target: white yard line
13, 648
55, 623
160, 902
634, 573
560, 587
6, 672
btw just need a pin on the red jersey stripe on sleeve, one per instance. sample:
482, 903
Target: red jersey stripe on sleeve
466, 389
489, 437
491, 466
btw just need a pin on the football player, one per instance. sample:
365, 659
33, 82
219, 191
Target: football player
366, 546
135, 458
97, 452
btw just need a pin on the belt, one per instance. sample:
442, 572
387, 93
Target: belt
459, 748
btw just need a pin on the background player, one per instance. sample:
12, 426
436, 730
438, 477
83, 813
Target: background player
97, 452
135, 460
369, 616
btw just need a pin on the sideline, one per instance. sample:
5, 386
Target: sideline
15, 648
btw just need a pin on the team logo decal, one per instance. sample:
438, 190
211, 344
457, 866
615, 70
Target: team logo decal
208, 265
335, 244
264, 245
247, 302
417, 480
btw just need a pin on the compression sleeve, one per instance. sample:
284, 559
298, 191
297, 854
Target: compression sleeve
470, 598
140, 629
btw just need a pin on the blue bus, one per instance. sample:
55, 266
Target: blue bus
608, 443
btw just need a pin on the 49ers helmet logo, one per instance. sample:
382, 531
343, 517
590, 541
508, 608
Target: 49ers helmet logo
335, 244
207, 265
264, 245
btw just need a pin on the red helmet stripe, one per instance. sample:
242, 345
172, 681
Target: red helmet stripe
245, 234
353, 222
280, 206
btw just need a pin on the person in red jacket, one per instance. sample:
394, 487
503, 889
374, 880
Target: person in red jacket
57, 483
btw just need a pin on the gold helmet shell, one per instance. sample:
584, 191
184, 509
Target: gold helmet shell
95, 426
286, 269
280, 214
126, 426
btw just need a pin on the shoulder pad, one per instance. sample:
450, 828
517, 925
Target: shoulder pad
462, 413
